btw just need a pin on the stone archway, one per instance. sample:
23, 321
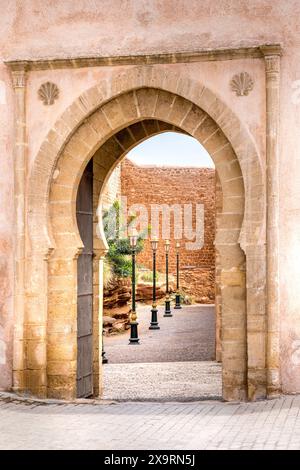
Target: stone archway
96, 116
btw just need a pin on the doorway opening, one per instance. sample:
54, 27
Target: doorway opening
166, 187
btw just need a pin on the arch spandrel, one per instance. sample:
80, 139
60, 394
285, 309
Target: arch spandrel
121, 84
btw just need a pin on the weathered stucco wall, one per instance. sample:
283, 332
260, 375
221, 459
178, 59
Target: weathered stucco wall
36, 28
54, 28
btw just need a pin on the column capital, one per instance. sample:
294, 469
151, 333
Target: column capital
271, 50
103, 253
271, 55
19, 72
100, 253
272, 64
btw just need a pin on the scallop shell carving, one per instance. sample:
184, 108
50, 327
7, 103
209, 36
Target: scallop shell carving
242, 83
48, 93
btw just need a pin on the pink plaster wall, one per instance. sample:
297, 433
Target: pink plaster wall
48, 28
6, 229
56, 28
216, 75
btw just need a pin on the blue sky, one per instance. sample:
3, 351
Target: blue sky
171, 149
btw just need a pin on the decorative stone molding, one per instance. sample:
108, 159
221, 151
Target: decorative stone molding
149, 59
19, 75
242, 84
48, 93
272, 64
19, 79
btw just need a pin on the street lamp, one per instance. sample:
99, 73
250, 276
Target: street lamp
134, 339
154, 323
177, 296
167, 301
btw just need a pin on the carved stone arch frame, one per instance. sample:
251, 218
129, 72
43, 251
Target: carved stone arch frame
98, 114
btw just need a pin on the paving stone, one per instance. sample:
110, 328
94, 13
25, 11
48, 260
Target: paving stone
148, 425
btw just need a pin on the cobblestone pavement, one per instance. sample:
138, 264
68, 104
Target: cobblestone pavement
187, 336
273, 424
162, 381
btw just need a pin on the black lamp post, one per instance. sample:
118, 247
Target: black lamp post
177, 296
104, 358
154, 323
134, 338
167, 301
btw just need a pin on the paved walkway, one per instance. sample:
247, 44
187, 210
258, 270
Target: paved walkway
163, 381
187, 336
273, 424
173, 363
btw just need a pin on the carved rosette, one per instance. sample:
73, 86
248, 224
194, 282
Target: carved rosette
48, 93
242, 83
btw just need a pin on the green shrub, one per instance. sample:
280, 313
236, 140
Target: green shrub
119, 250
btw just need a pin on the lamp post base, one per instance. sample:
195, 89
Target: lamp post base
154, 323
168, 308
104, 359
134, 338
177, 301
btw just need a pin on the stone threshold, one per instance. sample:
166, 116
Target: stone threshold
14, 398
11, 397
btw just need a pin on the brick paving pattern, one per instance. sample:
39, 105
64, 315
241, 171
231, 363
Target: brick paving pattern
273, 424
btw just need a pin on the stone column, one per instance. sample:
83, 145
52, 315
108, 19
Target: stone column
19, 85
100, 250
218, 269
272, 67
100, 320
98, 261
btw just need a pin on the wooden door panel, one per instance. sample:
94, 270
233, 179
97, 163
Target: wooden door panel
85, 267
84, 226
84, 213
84, 322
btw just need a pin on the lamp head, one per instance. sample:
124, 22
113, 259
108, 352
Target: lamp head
167, 246
133, 238
154, 243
